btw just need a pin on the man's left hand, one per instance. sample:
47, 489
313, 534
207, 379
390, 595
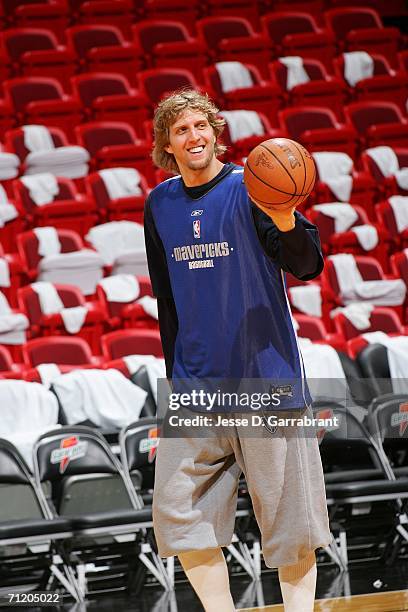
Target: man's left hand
283, 219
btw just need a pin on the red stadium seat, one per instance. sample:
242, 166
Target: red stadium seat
157, 82
347, 241
233, 39
403, 60
329, 91
314, 329
186, 11
124, 342
16, 274
386, 183
399, 267
14, 141
118, 14
113, 144
128, 314
239, 146
294, 33
109, 97
378, 123
38, 100
360, 28
313, 7
36, 52
385, 84
261, 96
168, 44
50, 15
37, 375
363, 191
102, 48
386, 217
11, 228
68, 209
318, 129
42, 324
235, 8
60, 350
369, 269
84, 275
7, 116
381, 319
130, 208
8, 368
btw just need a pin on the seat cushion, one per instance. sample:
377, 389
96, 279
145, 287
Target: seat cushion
33, 527
110, 519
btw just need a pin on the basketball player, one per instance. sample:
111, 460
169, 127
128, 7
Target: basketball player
216, 262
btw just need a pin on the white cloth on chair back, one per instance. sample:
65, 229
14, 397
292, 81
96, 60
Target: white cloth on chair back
296, 74
358, 65
233, 75
399, 205
12, 324
120, 288
48, 373
50, 301
37, 138
121, 182
116, 238
307, 299
397, 352
358, 313
8, 211
334, 169
48, 241
367, 236
4, 273
82, 268
243, 124
149, 305
28, 410
42, 187
344, 215
106, 397
9, 164
387, 161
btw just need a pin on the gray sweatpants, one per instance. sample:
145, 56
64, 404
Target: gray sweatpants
195, 492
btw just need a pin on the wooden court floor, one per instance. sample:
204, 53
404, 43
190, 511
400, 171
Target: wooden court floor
393, 601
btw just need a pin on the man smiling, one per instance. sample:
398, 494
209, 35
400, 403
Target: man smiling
229, 320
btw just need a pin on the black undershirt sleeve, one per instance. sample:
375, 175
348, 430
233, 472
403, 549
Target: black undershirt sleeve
296, 251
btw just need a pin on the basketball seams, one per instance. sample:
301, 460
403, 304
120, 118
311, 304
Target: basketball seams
267, 184
279, 162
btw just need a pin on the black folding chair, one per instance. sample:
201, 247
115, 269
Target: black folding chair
26, 524
91, 489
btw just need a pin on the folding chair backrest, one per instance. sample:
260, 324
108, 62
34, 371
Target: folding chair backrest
18, 497
139, 442
85, 474
373, 360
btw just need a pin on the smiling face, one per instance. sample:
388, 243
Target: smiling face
191, 141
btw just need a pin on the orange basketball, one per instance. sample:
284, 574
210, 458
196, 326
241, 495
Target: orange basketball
279, 172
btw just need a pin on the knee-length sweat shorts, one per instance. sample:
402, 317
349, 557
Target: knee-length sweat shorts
196, 486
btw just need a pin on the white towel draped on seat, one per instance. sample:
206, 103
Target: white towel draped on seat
4, 273
367, 236
82, 268
296, 74
387, 161
120, 288
307, 299
335, 170
397, 351
116, 238
37, 138
353, 288
323, 370
51, 303
233, 75
344, 215
358, 65
28, 410
42, 187
48, 241
149, 305
9, 164
155, 367
399, 205
106, 397
358, 313
12, 324
48, 373
121, 182
243, 124
8, 211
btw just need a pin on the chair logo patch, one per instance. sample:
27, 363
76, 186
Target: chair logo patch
400, 418
150, 444
70, 449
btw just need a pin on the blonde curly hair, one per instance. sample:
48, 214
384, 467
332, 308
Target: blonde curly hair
166, 114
